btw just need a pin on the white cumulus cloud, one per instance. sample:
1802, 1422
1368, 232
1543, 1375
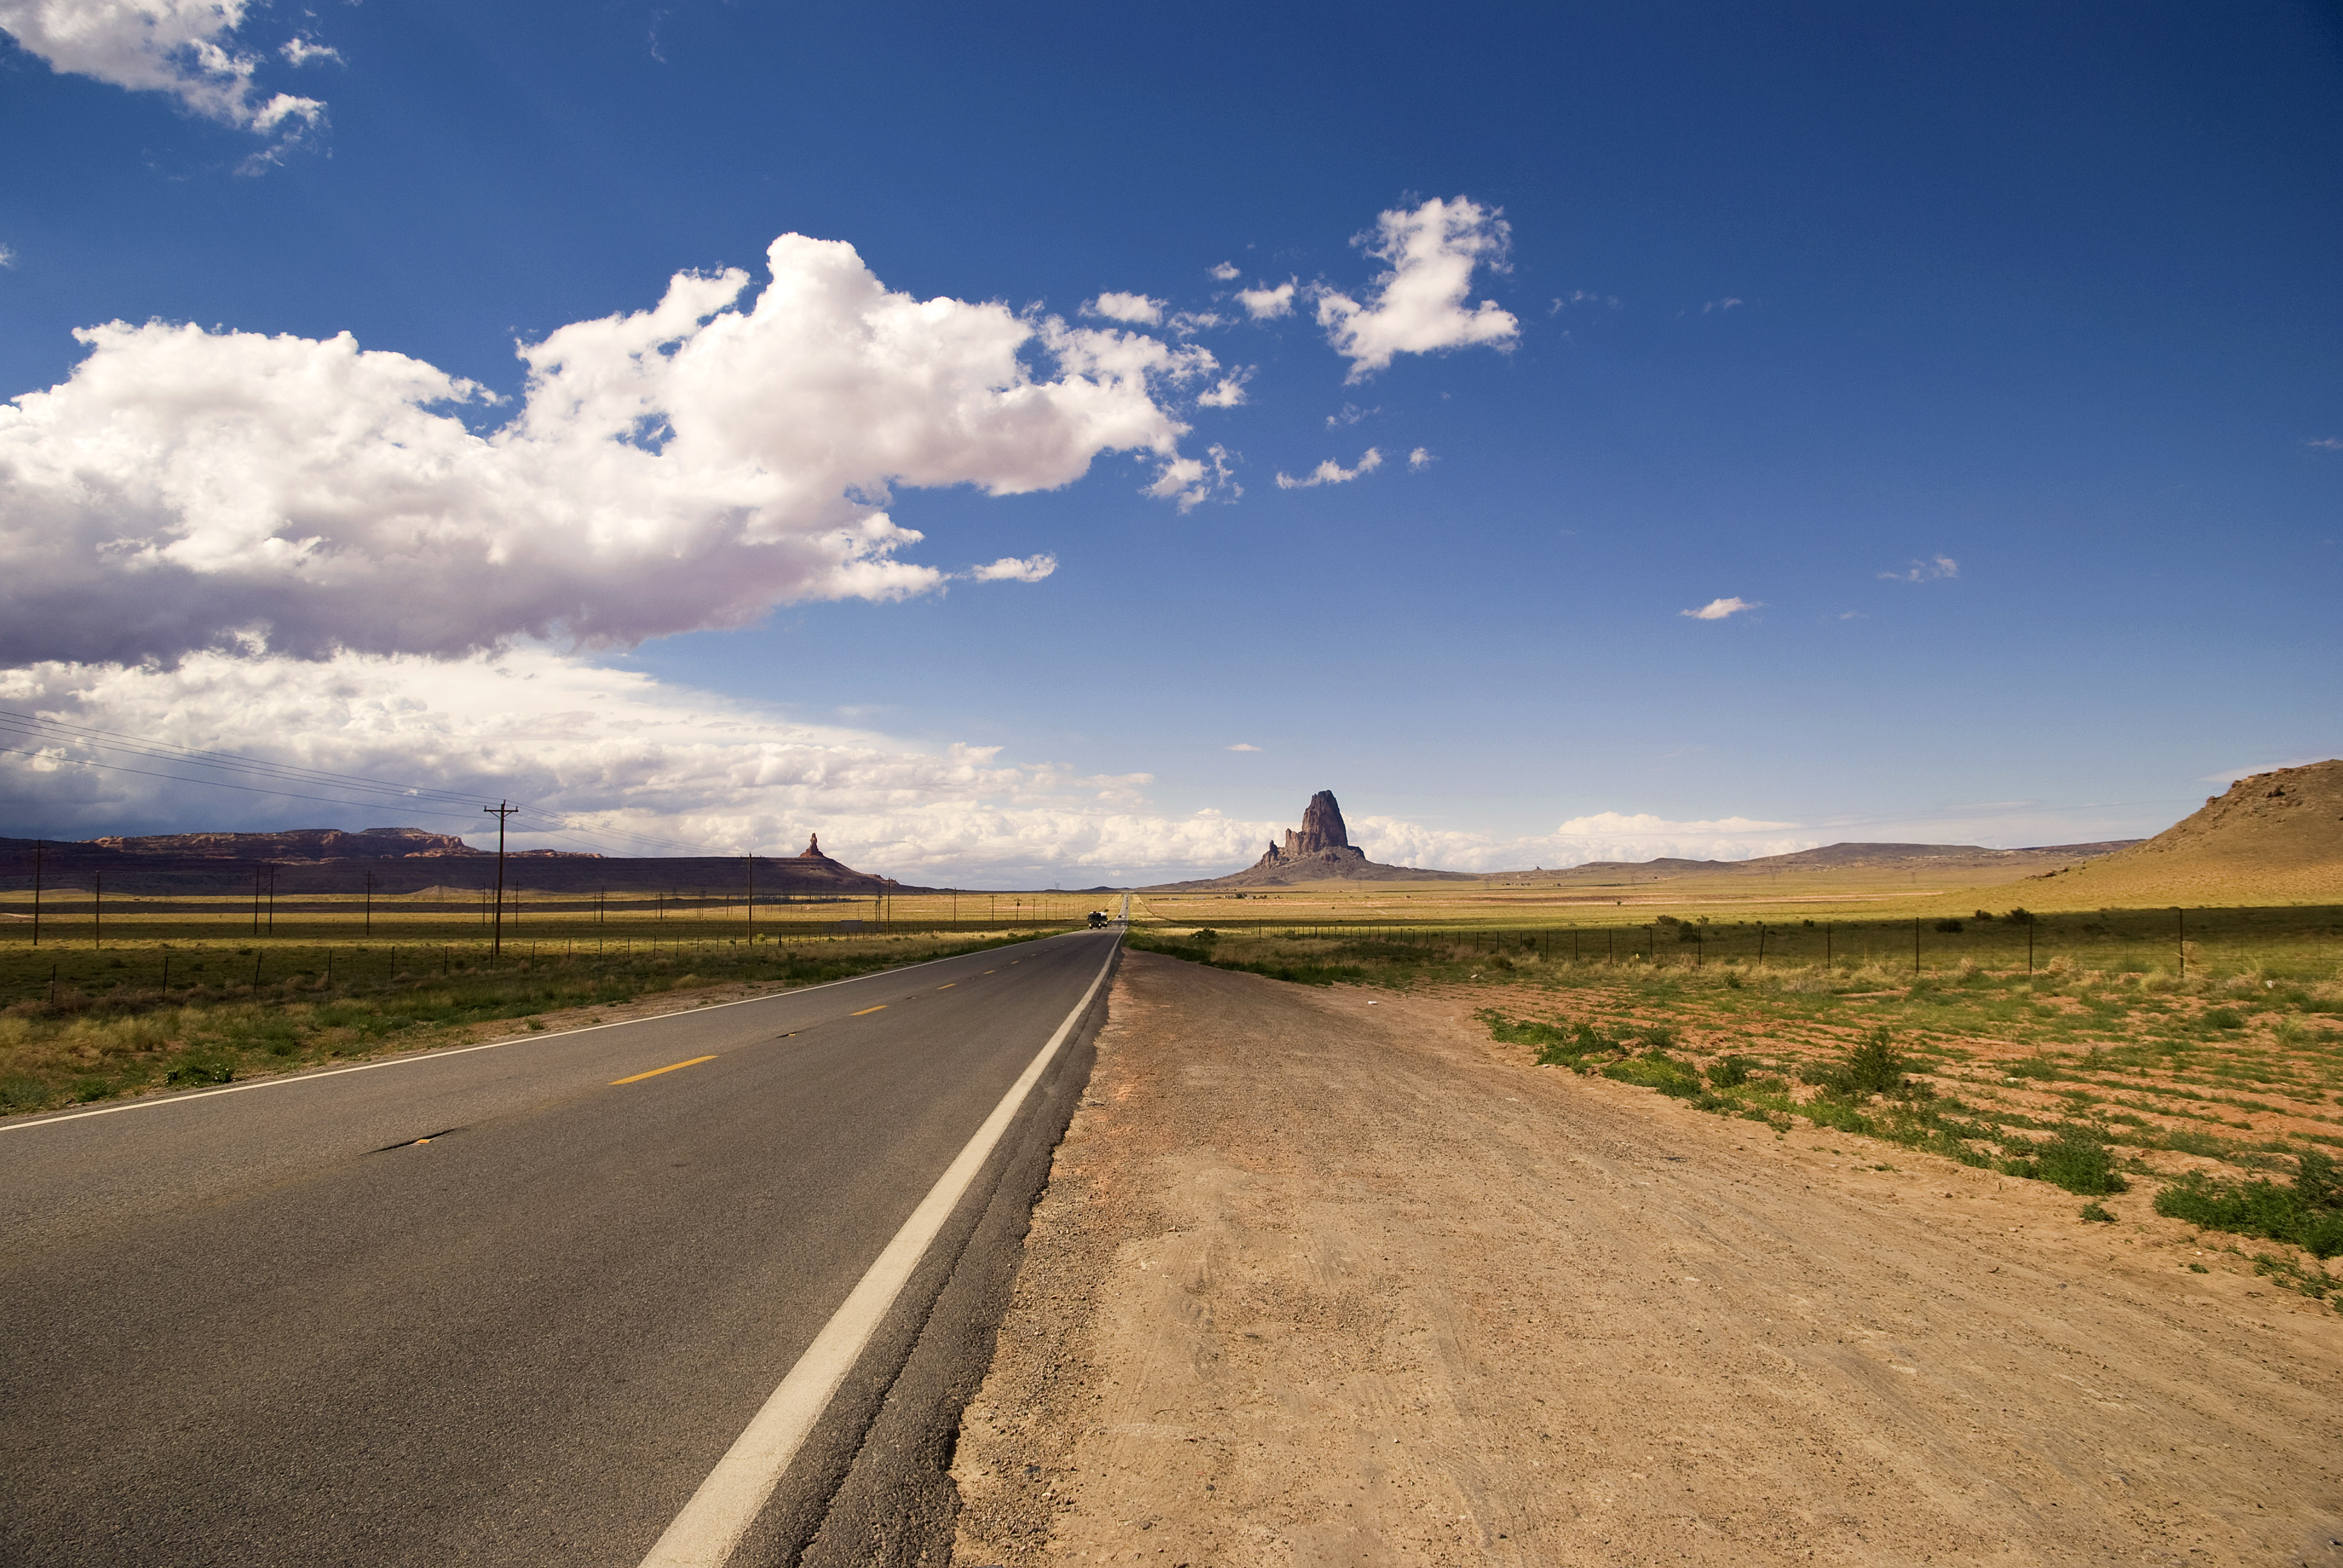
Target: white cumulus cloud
1267, 304
683, 467
1244, 746
1192, 481
1420, 459
1934, 569
1016, 569
1718, 609
1226, 393
185, 49
610, 753
1417, 305
1225, 271
1330, 472
1132, 307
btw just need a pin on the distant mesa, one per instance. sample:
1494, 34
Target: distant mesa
410, 859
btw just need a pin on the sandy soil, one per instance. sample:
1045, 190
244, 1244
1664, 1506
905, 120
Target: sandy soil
1329, 1277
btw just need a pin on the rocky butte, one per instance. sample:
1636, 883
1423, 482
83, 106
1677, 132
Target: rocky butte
1321, 850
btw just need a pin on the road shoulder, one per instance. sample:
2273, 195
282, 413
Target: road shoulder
1326, 1275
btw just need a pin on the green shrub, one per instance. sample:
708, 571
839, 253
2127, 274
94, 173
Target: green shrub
2096, 1211
1729, 1072
1657, 1070
198, 1070
2223, 1018
1948, 925
1874, 1067
2304, 1212
2077, 1158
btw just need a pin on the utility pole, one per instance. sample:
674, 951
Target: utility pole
256, 900
37, 848
752, 897
272, 900
500, 811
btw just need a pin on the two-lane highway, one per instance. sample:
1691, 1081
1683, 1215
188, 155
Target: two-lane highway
511, 1305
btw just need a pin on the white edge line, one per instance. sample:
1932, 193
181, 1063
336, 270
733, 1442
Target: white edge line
705, 1534
420, 1057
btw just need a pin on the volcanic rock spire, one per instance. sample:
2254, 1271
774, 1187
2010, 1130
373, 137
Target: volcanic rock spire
1322, 836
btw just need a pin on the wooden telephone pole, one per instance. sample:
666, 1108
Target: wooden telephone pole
500, 811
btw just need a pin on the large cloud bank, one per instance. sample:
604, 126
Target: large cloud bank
597, 755
680, 468
183, 48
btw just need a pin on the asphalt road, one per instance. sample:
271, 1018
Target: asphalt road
506, 1306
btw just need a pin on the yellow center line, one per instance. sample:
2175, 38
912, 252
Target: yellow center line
880, 1008
655, 1072
948, 985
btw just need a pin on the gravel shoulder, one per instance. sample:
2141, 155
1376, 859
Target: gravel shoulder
1327, 1276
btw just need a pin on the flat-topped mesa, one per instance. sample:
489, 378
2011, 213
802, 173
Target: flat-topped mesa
1321, 835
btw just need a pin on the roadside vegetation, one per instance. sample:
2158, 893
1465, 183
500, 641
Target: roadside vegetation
2106, 1070
96, 1023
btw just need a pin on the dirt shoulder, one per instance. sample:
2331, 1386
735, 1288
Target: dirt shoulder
1327, 1276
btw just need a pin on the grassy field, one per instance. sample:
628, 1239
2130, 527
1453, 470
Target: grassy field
2109, 1064
155, 993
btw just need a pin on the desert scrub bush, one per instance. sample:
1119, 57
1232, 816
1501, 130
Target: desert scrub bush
2077, 1158
1731, 1071
2316, 1283
1874, 1067
1657, 1070
2307, 1213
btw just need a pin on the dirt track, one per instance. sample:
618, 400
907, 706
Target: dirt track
1317, 1281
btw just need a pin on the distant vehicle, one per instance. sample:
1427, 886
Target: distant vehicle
1098, 919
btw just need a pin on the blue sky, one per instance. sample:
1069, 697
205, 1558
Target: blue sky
1987, 354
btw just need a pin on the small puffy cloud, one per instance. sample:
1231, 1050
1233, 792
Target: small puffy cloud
301, 52
1417, 305
183, 48
1192, 481
1241, 746
1013, 569
1718, 609
1188, 322
1267, 304
1349, 414
1226, 393
682, 468
1719, 305
1226, 272
1934, 569
2326, 443
1580, 296
1330, 472
8, 256
1136, 308
1420, 459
